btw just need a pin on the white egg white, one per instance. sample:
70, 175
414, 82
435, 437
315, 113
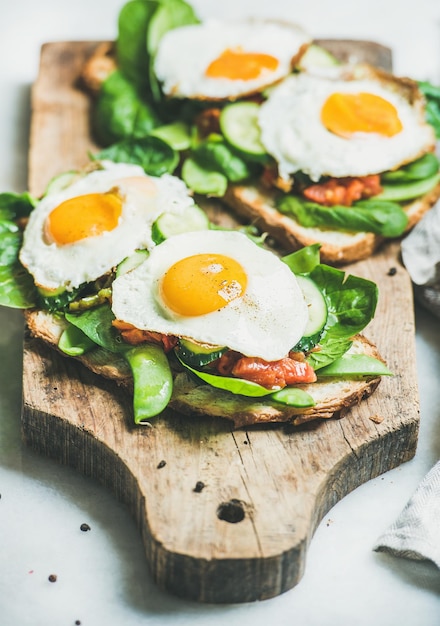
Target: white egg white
266, 322
56, 266
293, 133
185, 53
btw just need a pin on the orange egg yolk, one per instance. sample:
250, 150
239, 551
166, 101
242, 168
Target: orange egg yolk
347, 113
236, 64
85, 216
202, 283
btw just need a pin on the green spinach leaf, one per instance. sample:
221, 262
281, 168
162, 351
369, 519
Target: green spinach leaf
351, 303
17, 289
97, 325
432, 109
305, 260
121, 112
16, 205
376, 216
238, 386
214, 154
131, 44
152, 153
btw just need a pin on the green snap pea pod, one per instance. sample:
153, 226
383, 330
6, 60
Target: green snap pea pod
74, 342
355, 365
153, 381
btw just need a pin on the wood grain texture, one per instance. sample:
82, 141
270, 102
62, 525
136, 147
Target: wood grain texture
225, 516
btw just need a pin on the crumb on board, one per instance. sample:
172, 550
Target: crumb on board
377, 419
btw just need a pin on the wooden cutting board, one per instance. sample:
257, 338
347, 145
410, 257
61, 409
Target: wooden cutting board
225, 516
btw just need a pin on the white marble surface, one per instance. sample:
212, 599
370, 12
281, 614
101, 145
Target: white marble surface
103, 577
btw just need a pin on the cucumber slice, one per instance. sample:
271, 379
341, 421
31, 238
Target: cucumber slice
316, 304
239, 125
130, 262
176, 134
316, 56
204, 181
50, 293
198, 354
169, 224
61, 181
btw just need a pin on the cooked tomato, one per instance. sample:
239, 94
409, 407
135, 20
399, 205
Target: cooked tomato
269, 374
343, 191
134, 336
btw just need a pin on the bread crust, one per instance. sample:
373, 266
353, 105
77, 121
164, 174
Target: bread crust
49, 328
192, 397
256, 204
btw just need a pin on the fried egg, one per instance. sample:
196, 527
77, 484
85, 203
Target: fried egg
218, 288
341, 124
225, 60
80, 233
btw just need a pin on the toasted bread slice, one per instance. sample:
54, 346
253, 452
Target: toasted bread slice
192, 397
256, 204
333, 398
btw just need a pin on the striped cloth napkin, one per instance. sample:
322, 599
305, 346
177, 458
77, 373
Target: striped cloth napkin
421, 257
416, 532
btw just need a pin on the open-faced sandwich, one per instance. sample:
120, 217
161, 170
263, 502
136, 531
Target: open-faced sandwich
352, 161
307, 149
204, 322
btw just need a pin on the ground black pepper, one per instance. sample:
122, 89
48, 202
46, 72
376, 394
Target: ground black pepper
85, 527
392, 271
53, 578
199, 486
161, 464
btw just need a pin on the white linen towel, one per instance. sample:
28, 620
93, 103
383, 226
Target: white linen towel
416, 532
421, 257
